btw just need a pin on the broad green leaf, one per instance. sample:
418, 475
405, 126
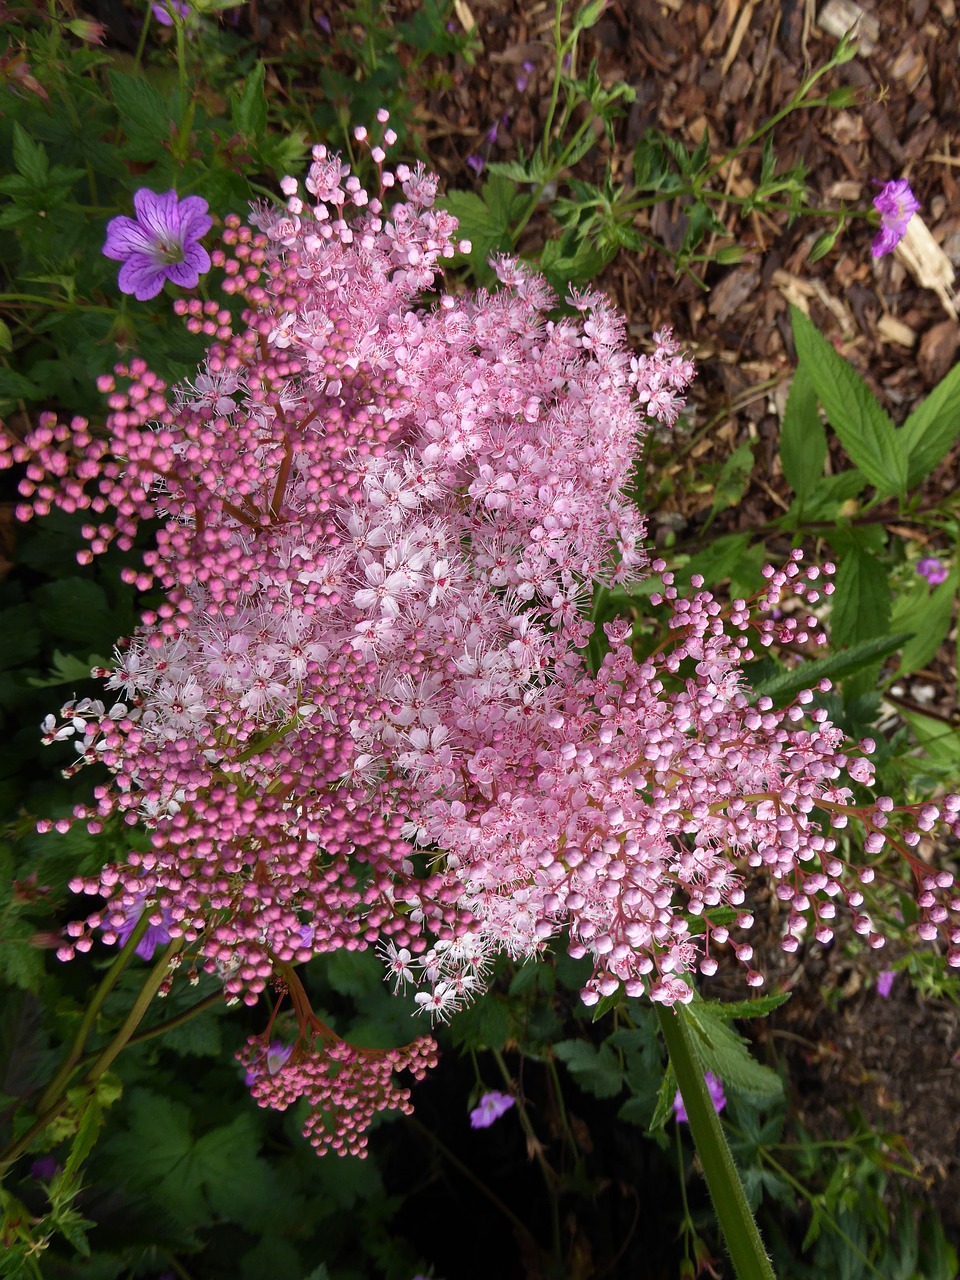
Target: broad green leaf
595, 1070
803, 441
928, 614
861, 601
940, 741
932, 428
864, 428
808, 674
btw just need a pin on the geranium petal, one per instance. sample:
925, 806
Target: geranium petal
142, 277
124, 237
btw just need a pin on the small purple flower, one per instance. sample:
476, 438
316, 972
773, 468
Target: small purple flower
896, 205
523, 79
933, 570
277, 1054
44, 1168
323, 22
475, 163
157, 935
717, 1096
885, 982
492, 1106
164, 11
162, 243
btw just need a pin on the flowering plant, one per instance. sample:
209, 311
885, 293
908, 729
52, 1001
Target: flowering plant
362, 714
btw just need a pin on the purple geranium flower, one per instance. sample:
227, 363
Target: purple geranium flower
717, 1096
162, 243
157, 935
885, 983
492, 1107
933, 570
164, 12
896, 205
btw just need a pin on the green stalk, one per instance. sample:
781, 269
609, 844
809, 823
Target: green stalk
60, 1081
103, 1062
750, 1261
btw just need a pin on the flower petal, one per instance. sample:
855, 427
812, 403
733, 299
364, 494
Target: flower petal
142, 277
124, 237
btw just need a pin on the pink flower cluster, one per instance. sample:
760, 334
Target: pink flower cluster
362, 715
345, 1086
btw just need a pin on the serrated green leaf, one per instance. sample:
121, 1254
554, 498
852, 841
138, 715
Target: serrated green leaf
757, 1008
29, 157
861, 601
932, 428
67, 668
143, 114
664, 1108
806, 676
596, 1071
803, 441
727, 1055
863, 427
248, 110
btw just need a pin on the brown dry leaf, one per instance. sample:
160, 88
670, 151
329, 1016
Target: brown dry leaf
927, 263
838, 17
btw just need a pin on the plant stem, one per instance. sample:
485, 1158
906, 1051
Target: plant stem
104, 1060
60, 1081
750, 1261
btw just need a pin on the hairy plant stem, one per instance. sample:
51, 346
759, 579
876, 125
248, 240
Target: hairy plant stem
750, 1260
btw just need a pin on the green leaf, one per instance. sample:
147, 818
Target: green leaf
932, 428
727, 1055
940, 741
484, 219
803, 441
248, 110
808, 674
143, 115
664, 1108
864, 428
861, 601
29, 157
596, 1071
76, 610
757, 1008
928, 614
67, 668
19, 635
6, 338
733, 479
